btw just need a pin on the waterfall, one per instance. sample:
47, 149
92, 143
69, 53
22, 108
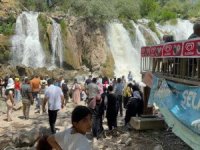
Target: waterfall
26, 46
181, 31
56, 44
139, 38
126, 57
152, 34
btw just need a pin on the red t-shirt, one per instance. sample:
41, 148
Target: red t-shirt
17, 85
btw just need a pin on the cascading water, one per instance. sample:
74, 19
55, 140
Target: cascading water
181, 31
152, 34
26, 46
56, 44
139, 38
126, 57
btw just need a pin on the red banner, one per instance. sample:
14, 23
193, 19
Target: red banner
172, 49
143, 52
190, 48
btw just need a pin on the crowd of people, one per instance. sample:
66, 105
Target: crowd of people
103, 98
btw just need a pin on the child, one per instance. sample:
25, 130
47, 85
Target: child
74, 138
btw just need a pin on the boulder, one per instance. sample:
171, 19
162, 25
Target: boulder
26, 138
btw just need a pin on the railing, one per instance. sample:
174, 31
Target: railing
183, 68
180, 59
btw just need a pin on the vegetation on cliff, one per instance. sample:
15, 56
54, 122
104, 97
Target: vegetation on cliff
101, 11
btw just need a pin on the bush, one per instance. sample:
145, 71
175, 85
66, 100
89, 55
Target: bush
7, 28
152, 26
35, 5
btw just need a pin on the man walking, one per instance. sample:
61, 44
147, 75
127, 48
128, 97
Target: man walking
55, 98
35, 85
119, 87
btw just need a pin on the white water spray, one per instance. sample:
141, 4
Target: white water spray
181, 31
26, 47
126, 57
56, 44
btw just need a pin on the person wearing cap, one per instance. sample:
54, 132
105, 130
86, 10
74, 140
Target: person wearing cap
74, 138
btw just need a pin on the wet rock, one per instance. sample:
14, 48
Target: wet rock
158, 147
128, 142
124, 138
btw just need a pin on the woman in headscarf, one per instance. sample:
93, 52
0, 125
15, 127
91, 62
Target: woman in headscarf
76, 96
9, 97
135, 104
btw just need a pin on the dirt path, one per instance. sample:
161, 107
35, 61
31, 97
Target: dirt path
119, 139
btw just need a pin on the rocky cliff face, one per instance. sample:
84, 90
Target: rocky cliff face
84, 44
9, 10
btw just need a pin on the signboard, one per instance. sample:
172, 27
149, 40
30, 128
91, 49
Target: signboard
190, 48
182, 101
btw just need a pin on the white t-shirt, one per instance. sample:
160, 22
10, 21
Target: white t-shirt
72, 141
54, 93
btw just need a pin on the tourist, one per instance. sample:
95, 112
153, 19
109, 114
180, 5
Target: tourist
118, 90
17, 90
9, 93
61, 81
74, 138
97, 117
100, 86
192, 64
76, 93
92, 91
127, 93
27, 98
196, 31
41, 94
111, 108
114, 82
123, 80
89, 80
65, 91
130, 76
135, 104
100, 80
55, 98
3, 84
35, 86
83, 95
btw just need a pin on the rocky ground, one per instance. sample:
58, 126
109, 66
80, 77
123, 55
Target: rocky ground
21, 134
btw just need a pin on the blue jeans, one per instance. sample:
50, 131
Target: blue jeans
17, 95
37, 100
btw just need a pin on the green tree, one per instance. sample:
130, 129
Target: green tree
147, 6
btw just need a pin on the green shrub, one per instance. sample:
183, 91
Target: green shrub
63, 25
152, 26
7, 28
